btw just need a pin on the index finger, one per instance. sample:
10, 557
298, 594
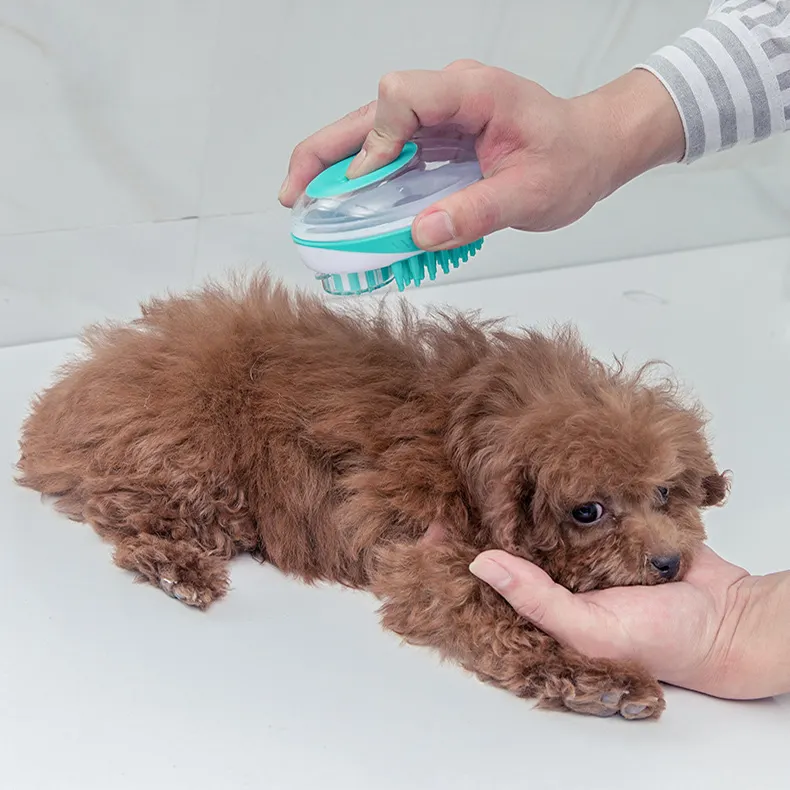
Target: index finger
409, 100
322, 149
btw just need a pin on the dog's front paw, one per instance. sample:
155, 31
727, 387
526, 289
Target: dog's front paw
606, 690
645, 704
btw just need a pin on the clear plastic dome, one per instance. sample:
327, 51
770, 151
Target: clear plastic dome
435, 167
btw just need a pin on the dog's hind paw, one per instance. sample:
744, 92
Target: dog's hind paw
187, 593
182, 569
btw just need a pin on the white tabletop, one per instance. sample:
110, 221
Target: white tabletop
107, 685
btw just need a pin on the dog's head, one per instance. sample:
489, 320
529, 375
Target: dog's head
586, 470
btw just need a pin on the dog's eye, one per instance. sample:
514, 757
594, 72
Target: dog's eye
588, 513
663, 495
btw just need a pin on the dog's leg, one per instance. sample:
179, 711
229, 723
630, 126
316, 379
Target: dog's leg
181, 568
176, 539
430, 598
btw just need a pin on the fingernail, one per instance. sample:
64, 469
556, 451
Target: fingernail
434, 230
356, 163
490, 572
284, 187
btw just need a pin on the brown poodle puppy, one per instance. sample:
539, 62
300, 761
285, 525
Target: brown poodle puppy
382, 452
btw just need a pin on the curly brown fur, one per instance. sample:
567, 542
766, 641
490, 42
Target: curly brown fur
382, 452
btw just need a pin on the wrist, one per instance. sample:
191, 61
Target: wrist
636, 127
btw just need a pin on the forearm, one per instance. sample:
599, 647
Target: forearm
754, 644
721, 84
636, 126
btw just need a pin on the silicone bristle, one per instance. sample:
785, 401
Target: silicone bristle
430, 264
412, 271
401, 274
415, 269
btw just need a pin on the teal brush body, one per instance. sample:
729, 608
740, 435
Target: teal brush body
356, 234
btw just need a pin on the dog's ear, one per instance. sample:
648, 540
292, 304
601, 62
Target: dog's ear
516, 514
715, 488
506, 508
498, 484
489, 441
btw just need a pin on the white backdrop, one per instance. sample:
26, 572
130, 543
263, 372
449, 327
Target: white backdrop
142, 142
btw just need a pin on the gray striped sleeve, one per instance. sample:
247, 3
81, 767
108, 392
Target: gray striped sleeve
730, 77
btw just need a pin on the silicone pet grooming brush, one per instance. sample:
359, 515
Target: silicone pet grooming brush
356, 234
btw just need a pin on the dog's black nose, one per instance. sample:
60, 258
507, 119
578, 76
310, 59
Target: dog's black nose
667, 566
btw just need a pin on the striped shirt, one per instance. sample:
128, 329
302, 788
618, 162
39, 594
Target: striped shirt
730, 77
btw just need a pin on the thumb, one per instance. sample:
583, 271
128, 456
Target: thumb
482, 208
532, 593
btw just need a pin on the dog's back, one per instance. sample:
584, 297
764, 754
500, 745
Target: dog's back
229, 414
